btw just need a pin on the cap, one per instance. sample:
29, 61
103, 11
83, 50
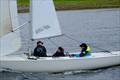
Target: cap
39, 42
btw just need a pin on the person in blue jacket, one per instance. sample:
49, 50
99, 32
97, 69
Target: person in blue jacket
85, 51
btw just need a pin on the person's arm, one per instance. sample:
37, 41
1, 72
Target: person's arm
63, 54
55, 54
34, 51
44, 51
83, 51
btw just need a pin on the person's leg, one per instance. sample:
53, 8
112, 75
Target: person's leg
77, 55
88, 54
82, 55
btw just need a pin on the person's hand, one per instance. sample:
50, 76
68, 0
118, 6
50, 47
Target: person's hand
72, 55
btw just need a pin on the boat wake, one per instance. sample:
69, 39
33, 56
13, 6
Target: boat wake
86, 71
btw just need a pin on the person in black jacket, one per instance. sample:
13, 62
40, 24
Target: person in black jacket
59, 52
40, 50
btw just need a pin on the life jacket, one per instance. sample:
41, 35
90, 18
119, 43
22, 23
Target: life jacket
85, 53
88, 53
88, 49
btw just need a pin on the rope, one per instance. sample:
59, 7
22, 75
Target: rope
17, 28
71, 38
21, 26
103, 50
53, 42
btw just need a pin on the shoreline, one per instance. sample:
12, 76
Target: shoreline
26, 9
80, 9
62, 5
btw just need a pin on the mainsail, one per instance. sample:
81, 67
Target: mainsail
9, 41
44, 19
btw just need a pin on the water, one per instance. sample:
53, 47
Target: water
99, 28
102, 74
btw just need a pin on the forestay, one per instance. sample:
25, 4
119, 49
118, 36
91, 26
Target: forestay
9, 41
44, 19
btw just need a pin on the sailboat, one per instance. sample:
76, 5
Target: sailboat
44, 24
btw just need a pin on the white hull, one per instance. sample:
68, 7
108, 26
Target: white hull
48, 64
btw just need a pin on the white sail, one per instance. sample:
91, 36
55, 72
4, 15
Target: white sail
14, 14
5, 21
9, 41
44, 19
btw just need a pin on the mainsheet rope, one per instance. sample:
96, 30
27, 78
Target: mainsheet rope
103, 50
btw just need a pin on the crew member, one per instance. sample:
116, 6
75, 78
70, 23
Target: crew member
85, 50
59, 52
40, 50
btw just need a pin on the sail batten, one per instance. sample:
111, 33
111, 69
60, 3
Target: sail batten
44, 19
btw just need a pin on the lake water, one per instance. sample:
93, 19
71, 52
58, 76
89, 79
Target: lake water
99, 28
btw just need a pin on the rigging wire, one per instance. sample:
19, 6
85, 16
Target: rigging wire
53, 42
103, 50
27, 22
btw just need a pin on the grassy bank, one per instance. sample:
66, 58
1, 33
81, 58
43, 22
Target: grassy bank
23, 5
